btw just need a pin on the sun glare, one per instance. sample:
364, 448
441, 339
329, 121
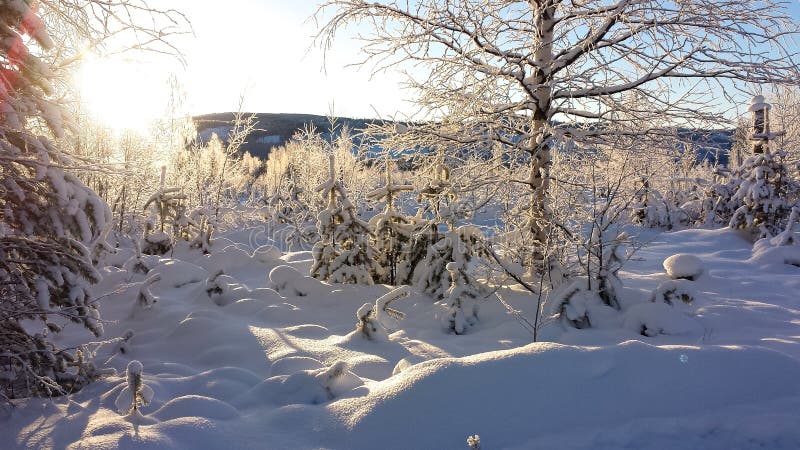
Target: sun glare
121, 94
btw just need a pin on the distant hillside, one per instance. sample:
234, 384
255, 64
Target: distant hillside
272, 130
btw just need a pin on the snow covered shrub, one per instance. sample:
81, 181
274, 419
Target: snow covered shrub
337, 379
49, 220
767, 194
592, 298
460, 246
601, 248
372, 316
653, 319
343, 253
135, 394
461, 298
788, 236
654, 210
577, 306
675, 292
145, 299
168, 213
781, 249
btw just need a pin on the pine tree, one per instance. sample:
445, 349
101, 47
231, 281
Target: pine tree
767, 193
343, 254
49, 220
392, 231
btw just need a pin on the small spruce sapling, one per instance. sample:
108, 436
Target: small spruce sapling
343, 254
461, 297
135, 394
392, 232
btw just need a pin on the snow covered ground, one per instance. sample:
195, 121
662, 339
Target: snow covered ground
278, 364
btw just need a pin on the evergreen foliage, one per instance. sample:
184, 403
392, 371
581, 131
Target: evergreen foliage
343, 254
49, 220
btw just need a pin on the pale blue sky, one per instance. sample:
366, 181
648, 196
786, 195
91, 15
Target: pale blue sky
261, 49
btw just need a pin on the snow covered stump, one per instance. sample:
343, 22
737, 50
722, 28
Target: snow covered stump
683, 266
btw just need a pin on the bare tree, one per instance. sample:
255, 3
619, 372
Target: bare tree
528, 74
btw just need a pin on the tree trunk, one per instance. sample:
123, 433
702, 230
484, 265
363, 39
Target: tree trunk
541, 157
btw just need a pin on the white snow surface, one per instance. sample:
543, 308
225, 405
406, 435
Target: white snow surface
282, 367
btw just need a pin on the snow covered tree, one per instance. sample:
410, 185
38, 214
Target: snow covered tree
461, 298
343, 254
392, 232
49, 220
767, 193
505, 71
167, 220
459, 245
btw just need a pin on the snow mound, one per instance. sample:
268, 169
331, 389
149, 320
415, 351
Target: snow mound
683, 265
654, 319
267, 254
195, 406
288, 281
309, 387
537, 382
769, 256
226, 260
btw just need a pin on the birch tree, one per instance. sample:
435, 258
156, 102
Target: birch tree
528, 74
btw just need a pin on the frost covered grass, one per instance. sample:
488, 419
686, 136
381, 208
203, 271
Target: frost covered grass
240, 349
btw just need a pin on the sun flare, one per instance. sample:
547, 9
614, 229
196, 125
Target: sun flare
121, 94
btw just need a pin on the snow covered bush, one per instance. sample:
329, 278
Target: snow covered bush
49, 220
461, 298
675, 292
168, 214
343, 253
767, 194
372, 317
653, 209
460, 245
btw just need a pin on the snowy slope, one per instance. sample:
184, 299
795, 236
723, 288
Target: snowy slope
250, 367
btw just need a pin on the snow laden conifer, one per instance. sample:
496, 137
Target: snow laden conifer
49, 220
767, 192
343, 253
458, 244
289, 206
392, 232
